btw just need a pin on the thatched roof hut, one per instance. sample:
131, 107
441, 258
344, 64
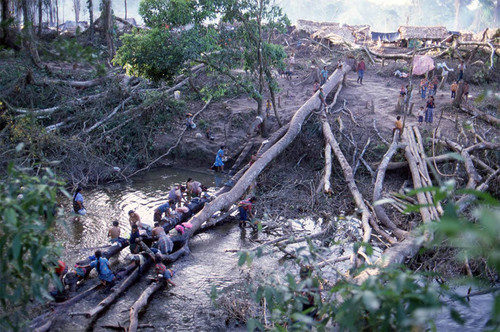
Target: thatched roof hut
423, 33
311, 26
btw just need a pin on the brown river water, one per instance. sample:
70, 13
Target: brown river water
188, 306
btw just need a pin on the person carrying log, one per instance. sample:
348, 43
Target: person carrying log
245, 210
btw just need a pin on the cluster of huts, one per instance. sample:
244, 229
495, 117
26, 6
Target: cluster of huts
406, 36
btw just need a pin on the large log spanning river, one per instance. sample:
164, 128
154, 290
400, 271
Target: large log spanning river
188, 306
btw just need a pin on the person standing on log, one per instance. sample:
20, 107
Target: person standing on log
361, 71
78, 206
429, 112
219, 164
101, 265
398, 125
324, 75
245, 210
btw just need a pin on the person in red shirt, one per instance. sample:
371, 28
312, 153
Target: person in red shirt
361, 71
245, 210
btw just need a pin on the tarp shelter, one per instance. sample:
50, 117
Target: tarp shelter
388, 37
422, 64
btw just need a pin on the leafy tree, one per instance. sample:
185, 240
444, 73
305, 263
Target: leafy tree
27, 252
242, 39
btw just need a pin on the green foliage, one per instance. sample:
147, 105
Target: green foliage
27, 253
158, 54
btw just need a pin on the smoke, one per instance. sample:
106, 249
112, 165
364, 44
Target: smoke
388, 15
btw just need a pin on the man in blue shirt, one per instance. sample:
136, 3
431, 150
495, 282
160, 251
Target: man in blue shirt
159, 211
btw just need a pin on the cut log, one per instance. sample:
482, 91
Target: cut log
142, 302
327, 189
117, 291
483, 116
349, 178
225, 200
379, 184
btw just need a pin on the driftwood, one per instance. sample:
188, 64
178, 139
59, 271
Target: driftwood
142, 302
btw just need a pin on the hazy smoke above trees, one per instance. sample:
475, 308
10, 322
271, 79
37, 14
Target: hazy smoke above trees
381, 15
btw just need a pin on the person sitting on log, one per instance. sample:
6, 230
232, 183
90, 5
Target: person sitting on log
101, 265
114, 234
162, 271
164, 244
134, 236
245, 210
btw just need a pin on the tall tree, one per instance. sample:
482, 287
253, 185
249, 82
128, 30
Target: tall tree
238, 41
107, 18
40, 18
76, 7
90, 6
28, 38
8, 33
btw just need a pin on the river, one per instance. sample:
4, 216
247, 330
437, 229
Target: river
188, 306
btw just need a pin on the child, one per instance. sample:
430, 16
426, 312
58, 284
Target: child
315, 86
134, 235
322, 97
268, 107
398, 126
189, 121
454, 87
163, 272
420, 115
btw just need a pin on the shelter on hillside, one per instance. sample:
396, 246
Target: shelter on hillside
386, 37
413, 35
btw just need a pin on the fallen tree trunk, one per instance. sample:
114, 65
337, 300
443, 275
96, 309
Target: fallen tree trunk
227, 199
110, 115
142, 302
377, 190
483, 116
349, 178
104, 304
